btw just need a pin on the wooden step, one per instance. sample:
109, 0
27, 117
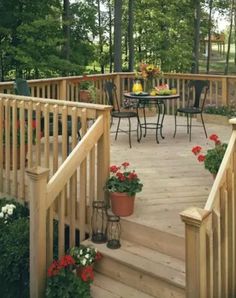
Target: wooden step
106, 287
144, 269
167, 243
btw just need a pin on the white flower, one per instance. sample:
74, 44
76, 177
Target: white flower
81, 252
83, 262
12, 206
4, 209
88, 249
1, 215
5, 221
87, 256
10, 211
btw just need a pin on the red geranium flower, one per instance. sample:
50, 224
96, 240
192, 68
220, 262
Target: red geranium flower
196, 150
125, 164
201, 158
87, 273
214, 138
114, 169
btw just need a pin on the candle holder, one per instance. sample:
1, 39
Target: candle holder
99, 222
113, 232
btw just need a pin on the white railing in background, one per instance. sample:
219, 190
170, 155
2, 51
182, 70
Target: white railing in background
211, 235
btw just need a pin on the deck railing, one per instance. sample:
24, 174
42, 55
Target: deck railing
211, 235
221, 91
68, 197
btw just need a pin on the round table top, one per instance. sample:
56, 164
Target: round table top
145, 96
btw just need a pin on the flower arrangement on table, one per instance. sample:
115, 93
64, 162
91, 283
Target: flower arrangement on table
62, 280
123, 180
148, 72
213, 158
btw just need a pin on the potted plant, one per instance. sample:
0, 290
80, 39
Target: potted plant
85, 257
87, 92
63, 282
213, 158
122, 185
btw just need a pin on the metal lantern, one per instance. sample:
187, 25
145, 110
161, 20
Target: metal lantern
99, 222
113, 231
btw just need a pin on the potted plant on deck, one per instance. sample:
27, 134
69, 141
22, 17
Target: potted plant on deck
122, 185
213, 158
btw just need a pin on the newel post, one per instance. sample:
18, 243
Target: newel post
62, 90
195, 220
37, 178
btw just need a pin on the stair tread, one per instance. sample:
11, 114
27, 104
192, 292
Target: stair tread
147, 260
106, 287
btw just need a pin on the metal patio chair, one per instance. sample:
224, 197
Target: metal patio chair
111, 95
195, 106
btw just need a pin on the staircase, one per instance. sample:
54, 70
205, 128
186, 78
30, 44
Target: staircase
150, 263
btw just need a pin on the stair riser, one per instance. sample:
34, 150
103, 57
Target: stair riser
166, 243
139, 280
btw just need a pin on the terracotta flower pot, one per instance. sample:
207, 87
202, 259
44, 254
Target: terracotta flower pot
122, 204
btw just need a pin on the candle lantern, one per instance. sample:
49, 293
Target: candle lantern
99, 222
113, 231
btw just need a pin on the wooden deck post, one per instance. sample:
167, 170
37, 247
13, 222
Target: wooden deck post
62, 90
37, 178
117, 82
195, 250
103, 155
225, 88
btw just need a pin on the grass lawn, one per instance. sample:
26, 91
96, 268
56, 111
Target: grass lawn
217, 61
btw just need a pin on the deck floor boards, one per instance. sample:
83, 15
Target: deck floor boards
173, 178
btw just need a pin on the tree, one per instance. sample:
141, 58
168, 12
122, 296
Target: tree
117, 36
130, 35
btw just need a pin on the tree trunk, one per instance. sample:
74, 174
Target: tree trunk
195, 66
110, 35
130, 35
117, 36
209, 37
100, 36
229, 38
66, 29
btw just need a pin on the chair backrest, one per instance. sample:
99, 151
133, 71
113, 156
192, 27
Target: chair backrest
21, 87
111, 95
199, 86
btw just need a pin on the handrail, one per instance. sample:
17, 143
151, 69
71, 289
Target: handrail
75, 190
210, 242
66, 170
225, 162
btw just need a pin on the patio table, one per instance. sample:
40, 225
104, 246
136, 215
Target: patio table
143, 100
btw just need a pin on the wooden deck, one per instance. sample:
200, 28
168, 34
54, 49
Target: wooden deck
173, 179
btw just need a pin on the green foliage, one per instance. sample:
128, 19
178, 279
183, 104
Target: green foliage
67, 285
63, 282
228, 111
214, 158
14, 252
